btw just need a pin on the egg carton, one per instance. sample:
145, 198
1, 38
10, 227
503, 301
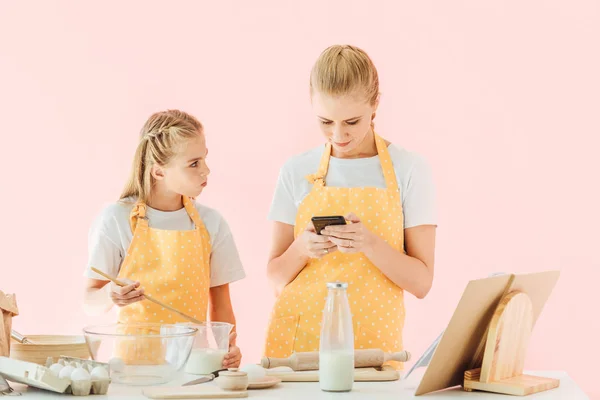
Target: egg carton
41, 377
83, 387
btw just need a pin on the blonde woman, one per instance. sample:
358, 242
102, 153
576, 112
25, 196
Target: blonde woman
387, 194
157, 238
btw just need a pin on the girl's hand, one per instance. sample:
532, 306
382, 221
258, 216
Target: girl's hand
123, 296
233, 358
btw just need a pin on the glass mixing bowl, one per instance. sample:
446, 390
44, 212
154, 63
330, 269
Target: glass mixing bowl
141, 353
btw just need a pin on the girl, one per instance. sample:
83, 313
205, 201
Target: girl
387, 194
159, 240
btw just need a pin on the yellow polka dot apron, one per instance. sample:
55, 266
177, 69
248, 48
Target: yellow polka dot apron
377, 304
173, 267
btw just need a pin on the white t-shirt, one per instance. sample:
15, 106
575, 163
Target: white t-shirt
412, 173
110, 236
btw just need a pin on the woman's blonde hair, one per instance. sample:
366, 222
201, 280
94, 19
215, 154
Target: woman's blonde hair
345, 70
160, 139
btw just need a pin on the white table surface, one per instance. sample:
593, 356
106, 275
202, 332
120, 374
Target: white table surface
402, 389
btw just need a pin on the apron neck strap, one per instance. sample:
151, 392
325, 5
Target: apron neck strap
387, 166
138, 219
318, 178
386, 163
192, 211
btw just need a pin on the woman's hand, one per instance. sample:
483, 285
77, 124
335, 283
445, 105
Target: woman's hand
351, 238
313, 245
125, 295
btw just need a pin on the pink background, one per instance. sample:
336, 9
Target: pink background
501, 97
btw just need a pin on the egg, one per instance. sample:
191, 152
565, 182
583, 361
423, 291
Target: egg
55, 369
255, 372
99, 373
65, 372
116, 364
80, 374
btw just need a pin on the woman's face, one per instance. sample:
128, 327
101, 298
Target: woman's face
344, 120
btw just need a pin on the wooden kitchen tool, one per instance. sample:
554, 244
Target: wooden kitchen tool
150, 298
192, 392
386, 373
504, 355
457, 355
309, 361
20, 338
8, 309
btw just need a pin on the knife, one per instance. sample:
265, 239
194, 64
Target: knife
204, 379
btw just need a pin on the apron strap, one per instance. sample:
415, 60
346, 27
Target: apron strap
386, 163
318, 178
387, 166
192, 212
138, 219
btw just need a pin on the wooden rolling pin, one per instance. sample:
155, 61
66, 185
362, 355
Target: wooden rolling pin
309, 361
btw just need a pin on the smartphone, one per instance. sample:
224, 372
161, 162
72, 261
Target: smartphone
321, 222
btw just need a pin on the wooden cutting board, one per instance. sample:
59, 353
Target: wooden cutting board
462, 338
360, 375
193, 392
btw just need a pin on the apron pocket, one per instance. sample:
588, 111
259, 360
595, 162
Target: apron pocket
282, 335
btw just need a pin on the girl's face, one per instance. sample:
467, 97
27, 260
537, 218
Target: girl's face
345, 122
187, 173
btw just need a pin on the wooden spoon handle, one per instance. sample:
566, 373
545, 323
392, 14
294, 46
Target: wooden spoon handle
149, 298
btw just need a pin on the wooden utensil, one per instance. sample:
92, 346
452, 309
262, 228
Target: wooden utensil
309, 361
150, 298
386, 373
504, 355
192, 392
8, 309
20, 338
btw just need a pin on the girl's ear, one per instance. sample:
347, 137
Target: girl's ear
157, 172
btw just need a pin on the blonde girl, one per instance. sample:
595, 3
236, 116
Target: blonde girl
160, 240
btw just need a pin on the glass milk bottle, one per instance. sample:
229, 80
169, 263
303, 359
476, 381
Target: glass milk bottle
336, 351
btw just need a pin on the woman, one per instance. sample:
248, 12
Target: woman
385, 192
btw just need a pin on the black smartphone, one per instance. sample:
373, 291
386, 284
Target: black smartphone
321, 222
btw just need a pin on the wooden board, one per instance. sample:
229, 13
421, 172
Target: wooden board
192, 392
522, 385
508, 338
386, 373
470, 321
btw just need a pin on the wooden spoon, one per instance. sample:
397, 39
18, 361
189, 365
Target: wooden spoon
150, 298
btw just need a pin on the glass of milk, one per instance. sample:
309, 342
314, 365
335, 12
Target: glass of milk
336, 350
211, 344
